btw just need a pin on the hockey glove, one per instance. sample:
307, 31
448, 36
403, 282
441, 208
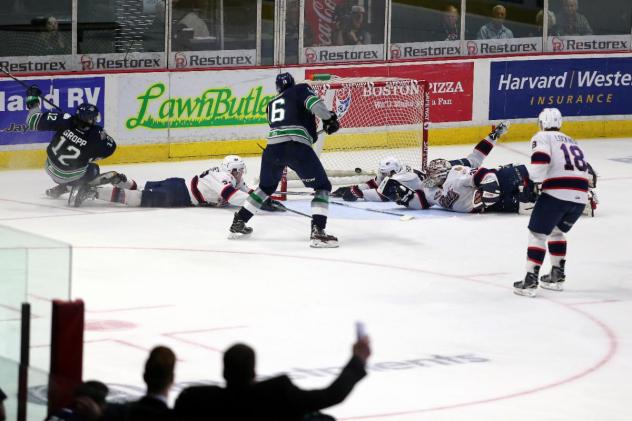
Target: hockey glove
272, 206
388, 188
332, 125
490, 190
404, 195
340, 191
353, 194
33, 94
499, 130
592, 180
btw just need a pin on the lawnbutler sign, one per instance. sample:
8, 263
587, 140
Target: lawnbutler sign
578, 87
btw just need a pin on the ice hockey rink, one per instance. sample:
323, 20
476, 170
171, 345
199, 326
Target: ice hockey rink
450, 340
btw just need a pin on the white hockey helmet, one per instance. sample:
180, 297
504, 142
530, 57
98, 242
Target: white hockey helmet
389, 166
550, 118
437, 172
233, 163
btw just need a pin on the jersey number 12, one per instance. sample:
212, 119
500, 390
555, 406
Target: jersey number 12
63, 158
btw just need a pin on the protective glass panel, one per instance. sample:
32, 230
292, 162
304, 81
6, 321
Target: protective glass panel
425, 20
292, 16
35, 269
503, 27
493, 19
196, 25
580, 25
267, 32
119, 26
35, 28
584, 17
344, 30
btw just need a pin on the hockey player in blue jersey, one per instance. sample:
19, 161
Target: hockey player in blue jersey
292, 118
76, 143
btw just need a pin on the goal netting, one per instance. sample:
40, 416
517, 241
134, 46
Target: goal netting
379, 117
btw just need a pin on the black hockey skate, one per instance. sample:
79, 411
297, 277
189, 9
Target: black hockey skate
529, 285
58, 190
320, 239
239, 229
554, 280
80, 193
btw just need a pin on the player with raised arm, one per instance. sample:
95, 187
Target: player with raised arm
412, 178
559, 164
77, 142
216, 187
292, 118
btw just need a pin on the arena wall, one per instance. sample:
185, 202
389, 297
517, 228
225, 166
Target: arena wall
173, 115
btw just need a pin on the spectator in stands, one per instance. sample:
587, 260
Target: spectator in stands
88, 403
495, 28
450, 24
276, 398
539, 21
570, 22
187, 16
159, 377
354, 31
52, 38
3, 414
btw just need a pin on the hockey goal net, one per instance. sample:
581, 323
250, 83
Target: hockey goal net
379, 117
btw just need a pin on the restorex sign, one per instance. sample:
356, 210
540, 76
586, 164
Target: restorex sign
577, 87
67, 93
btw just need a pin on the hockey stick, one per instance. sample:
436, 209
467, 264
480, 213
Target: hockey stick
402, 216
27, 87
285, 208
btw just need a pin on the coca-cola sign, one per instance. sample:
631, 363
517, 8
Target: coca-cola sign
320, 17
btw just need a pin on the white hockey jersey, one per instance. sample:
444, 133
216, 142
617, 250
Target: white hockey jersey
217, 188
460, 192
560, 165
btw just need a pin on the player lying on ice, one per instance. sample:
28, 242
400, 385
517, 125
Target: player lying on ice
216, 187
458, 185
77, 142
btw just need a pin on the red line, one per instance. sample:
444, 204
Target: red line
114, 310
613, 300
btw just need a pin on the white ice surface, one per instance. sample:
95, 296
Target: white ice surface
439, 285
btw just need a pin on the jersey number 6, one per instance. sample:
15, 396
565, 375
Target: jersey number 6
277, 113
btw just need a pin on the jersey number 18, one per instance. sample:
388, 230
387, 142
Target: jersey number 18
578, 156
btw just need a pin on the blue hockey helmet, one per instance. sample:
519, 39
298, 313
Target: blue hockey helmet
284, 81
87, 113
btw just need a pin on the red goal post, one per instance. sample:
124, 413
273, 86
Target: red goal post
379, 117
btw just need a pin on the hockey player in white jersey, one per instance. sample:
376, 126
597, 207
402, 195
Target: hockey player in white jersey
412, 178
216, 187
559, 164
